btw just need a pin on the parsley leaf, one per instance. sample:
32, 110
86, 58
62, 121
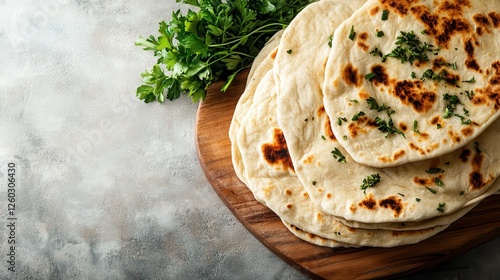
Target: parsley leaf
410, 49
338, 155
370, 181
215, 42
388, 126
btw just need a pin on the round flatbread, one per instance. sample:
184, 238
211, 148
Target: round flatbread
340, 186
413, 80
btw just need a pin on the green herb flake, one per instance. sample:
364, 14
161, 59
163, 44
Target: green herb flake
354, 101
352, 33
338, 156
418, 199
415, 127
413, 75
370, 181
330, 41
438, 182
379, 33
434, 170
462, 192
289, 51
472, 80
441, 76
345, 137
374, 105
340, 120
376, 52
401, 194
388, 126
431, 190
323, 137
469, 94
356, 117
439, 126
314, 183
385, 14
441, 207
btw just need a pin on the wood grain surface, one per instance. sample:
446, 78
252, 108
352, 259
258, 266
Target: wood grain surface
214, 152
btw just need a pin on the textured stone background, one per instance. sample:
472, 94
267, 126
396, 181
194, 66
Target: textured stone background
108, 187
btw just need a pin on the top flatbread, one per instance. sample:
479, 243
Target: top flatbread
441, 79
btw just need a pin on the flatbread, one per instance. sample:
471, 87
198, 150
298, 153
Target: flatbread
260, 66
271, 178
436, 106
314, 239
412, 192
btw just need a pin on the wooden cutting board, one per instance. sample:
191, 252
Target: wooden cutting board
214, 152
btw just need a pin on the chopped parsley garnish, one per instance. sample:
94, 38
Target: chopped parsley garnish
401, 194
441, 207
462, 192
323, 137
370, 76
466, 112
374, 105
338, 155
289, 51
352, 33
345, 137
376, 52
439, 126
314, 183
442, 76
417, 199
453, 101
330, 40
469, 94
354, 101
356, 117
413, 75
388, 126
415, 127
472, 80
385, 14
340, 120
438, 182
434, 170
370, 181
431, 190
410, 49
379, 33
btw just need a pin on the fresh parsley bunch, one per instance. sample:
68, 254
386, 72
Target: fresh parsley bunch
213, 43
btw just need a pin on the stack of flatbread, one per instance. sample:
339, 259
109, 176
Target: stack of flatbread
373, 123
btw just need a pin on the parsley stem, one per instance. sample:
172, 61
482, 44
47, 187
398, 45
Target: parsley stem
237, 39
